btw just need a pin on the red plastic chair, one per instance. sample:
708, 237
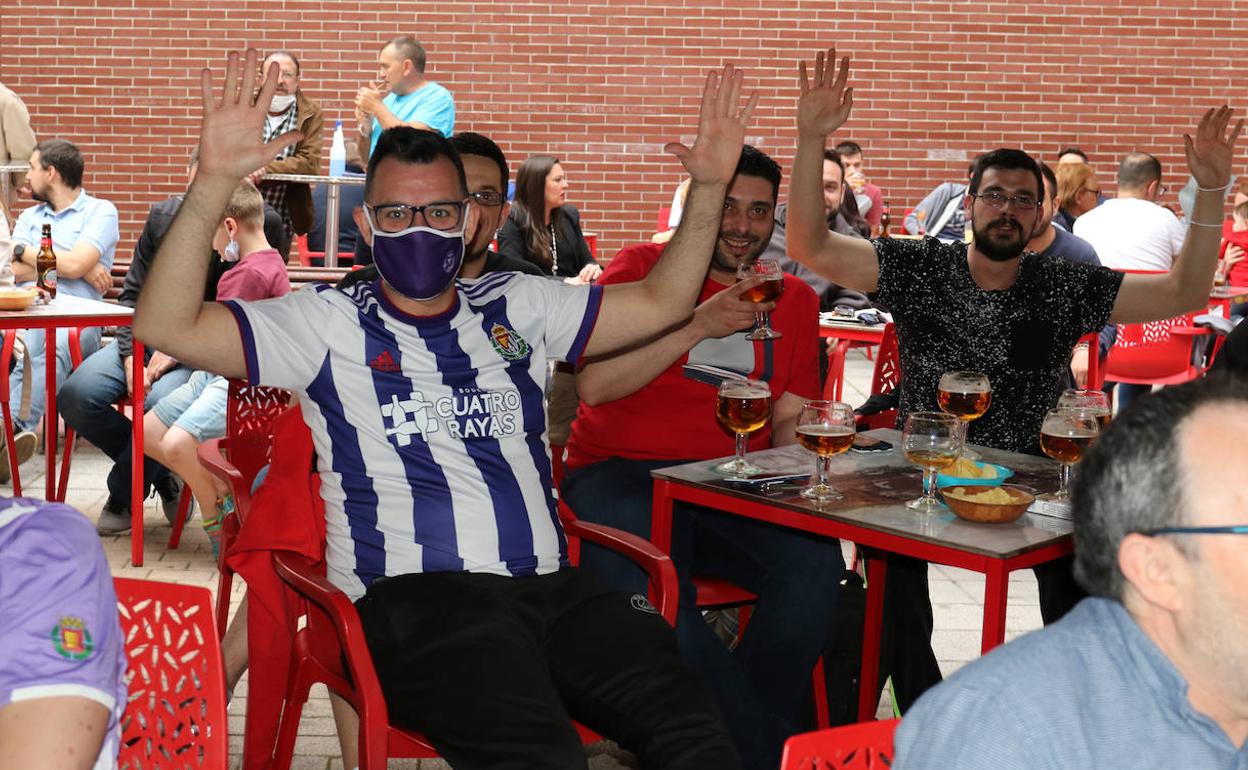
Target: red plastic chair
665, 215
1158, 352
332, 637
885, 379
175, 717
236, 459
306, 255
864, 746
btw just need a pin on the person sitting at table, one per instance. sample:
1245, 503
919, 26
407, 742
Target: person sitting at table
1078, 192
62, 673
87, 400
542, 227
991, 306
642, 409
84, 237
1154, 664
940, 214
1234, 254
195, 411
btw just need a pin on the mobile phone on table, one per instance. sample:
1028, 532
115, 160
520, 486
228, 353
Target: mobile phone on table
864, 443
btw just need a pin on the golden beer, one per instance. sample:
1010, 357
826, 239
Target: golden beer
964, 406
767, 291
825, 440
744, 413
928, 458
1066, 449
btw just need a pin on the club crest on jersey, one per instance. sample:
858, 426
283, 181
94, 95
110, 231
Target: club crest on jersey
508, 342
71, 639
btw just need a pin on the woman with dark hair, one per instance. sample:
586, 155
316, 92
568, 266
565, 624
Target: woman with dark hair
542, 228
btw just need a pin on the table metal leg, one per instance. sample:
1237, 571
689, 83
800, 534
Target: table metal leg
869, 677
996, 592
136, 459
331, 225
50, 415
833, 385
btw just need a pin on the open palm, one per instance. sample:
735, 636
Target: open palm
1211, 153
721, 129
825, 101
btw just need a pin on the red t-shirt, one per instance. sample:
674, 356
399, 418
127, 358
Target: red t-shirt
259, 275
673, 417
1238, 276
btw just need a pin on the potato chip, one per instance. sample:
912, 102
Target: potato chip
964, 468
995, 496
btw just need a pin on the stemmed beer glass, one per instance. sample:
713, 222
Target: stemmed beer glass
1065, 435
827, 429
1095, 400
768, 291
931, 441
743, 406
965, 395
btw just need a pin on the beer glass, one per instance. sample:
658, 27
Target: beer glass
965, 395
1096, 400
767, 291
743, 406
827, 429
1065, 436
931, 441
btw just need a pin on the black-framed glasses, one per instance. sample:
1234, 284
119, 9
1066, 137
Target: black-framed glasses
397, 217
998, 200
488, 198
1230, 529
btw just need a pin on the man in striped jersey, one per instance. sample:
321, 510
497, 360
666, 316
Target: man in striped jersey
424, 398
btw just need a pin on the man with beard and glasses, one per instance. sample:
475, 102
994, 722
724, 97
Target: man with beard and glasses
84, 237
424, 399
644, 408
1153, 669
991, 306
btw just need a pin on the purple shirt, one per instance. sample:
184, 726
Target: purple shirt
59, 630
259, 275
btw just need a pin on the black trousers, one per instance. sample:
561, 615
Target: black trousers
906, 638
493, 669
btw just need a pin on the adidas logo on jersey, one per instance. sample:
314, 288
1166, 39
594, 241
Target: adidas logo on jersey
384, 362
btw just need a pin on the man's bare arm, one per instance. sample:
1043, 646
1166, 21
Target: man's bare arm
784, 414
824, 106
1186, 287
56, 733
622, 374
171, 314
635, 311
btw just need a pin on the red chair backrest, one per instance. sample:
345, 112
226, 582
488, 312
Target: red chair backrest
885, 379
306, 255
1150, 350
864, 746
175, 717
249, 424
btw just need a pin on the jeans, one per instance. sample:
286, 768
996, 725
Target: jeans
762, 688
86, 403
35, 349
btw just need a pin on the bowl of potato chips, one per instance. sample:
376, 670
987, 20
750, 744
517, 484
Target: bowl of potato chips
966, 472
997, 504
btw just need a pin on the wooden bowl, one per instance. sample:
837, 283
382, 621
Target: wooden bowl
17, 299
971, 510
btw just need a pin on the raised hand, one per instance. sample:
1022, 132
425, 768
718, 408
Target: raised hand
825, 101
231, 140
721, 129
1211, 153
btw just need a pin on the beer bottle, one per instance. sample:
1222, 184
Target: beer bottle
885, 221
45, 264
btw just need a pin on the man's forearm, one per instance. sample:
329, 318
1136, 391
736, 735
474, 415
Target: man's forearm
674, 282
622, 374
173, 294
1198, 258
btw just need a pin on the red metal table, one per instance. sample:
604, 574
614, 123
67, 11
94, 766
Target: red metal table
872, 514
66, 312
847, 334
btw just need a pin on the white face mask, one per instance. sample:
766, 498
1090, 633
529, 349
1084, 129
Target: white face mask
281, 102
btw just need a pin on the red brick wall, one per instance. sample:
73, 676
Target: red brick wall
605, 84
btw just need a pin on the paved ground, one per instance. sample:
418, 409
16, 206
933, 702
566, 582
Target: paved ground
956, 595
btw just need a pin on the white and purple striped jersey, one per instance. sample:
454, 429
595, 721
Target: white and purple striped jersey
59, 630
430, 432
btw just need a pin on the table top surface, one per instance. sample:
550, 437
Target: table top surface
1233, 293
876, 486
66, 307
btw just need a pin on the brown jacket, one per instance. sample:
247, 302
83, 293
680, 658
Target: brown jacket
306, 159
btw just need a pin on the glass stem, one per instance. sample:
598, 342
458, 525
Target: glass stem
741, 439
929, 484
821, 469
1063, 491
760, 320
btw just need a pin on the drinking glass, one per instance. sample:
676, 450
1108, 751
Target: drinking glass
1065, 435
966, 396
743, 406
768, 291
1095, 400
827, 429
931, 441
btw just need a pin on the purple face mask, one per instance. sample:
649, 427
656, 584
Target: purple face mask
419, 262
